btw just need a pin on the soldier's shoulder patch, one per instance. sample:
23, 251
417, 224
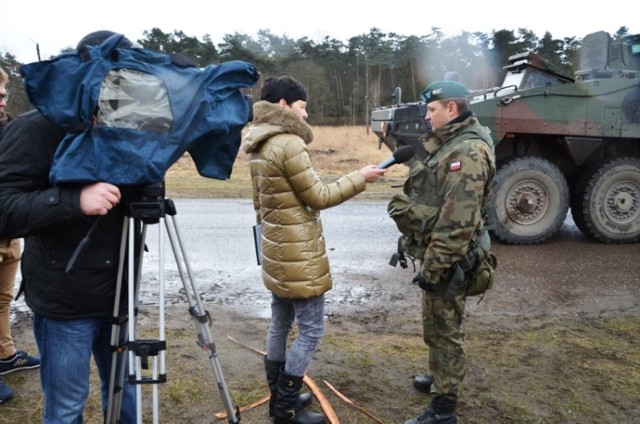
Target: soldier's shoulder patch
455, 166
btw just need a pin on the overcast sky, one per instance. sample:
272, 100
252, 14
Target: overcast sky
55, 25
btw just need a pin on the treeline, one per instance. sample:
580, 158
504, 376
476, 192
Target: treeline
346, 79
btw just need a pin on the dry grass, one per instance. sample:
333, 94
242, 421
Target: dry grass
335, 151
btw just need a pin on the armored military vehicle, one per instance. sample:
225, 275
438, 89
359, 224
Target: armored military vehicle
561, 141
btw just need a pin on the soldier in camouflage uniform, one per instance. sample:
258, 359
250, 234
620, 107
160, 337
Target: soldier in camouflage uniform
444, 199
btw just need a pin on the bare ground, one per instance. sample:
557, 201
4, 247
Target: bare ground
556, 341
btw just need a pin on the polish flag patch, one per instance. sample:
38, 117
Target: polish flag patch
455, 166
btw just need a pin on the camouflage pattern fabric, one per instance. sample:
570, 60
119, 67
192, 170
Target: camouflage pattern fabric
456, 181
443, 333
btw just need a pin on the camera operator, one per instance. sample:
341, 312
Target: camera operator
72, 310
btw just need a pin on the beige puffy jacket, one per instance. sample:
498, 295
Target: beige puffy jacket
287, 197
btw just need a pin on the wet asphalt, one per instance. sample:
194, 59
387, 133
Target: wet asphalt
569, 274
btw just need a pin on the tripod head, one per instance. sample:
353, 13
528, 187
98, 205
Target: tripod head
148, 203
149, 192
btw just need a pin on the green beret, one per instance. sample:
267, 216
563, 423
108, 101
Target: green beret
442, 90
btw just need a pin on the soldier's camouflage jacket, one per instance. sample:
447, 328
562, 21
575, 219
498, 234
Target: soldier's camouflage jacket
442, 209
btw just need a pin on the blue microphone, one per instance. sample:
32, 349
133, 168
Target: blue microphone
401, 155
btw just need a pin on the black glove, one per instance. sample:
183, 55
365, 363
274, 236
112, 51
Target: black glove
423, 284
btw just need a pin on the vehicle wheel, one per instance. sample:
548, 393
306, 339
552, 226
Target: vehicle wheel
530, 201
608, 206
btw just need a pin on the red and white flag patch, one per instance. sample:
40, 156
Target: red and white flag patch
455, 166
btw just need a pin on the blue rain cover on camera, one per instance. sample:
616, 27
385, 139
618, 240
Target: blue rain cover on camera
131, 113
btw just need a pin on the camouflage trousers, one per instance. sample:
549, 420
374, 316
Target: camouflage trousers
443, 333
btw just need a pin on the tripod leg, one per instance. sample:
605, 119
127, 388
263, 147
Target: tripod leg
119, 330
115, 388
201, 317
133, 363
140, 350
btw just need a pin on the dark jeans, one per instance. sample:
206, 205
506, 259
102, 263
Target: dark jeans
309, 315
66, 348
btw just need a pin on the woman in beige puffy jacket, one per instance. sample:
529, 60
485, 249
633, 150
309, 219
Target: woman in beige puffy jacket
288, 196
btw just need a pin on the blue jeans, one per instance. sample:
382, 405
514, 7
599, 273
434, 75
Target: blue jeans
309, 314
65, 350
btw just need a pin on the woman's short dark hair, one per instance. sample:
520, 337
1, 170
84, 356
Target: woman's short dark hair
282, 87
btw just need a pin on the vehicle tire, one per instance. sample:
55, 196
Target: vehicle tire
608, 204
577, 189
530, 201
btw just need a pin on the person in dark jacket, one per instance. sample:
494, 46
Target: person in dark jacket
73, 311
288, 196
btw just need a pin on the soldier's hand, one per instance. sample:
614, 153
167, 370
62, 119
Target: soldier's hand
423, 284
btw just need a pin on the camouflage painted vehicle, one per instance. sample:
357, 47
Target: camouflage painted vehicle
561, 141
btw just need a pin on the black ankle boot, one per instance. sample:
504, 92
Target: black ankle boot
286, 409
440, 411
423, 383
272, 370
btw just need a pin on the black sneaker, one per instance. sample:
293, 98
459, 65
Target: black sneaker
5, 391
21, 361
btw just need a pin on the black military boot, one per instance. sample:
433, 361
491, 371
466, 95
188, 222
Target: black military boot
440, 411
286, 409
423, 383
272, 370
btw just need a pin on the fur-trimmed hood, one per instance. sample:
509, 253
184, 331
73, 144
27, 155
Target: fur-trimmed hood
270, 119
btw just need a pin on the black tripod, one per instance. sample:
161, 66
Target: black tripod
151, 208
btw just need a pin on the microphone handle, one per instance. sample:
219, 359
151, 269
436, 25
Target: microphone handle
387, 163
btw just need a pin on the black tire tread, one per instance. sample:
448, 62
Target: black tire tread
525, 163
581, 201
